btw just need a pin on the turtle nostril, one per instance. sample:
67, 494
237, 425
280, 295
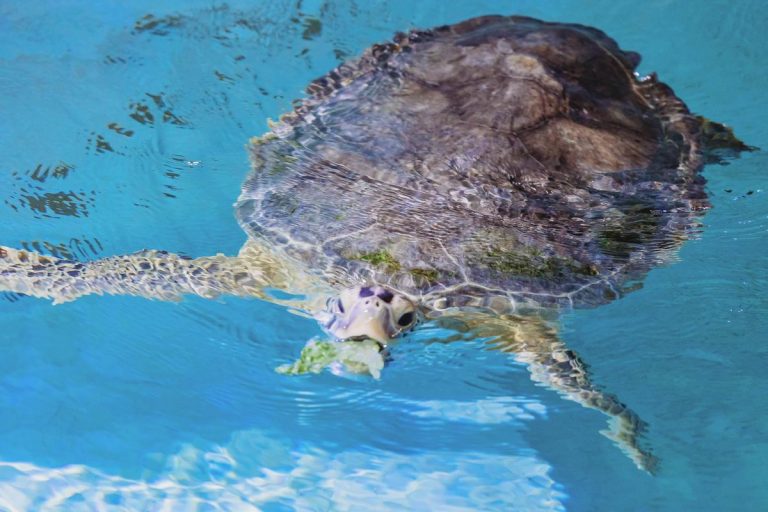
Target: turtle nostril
365, 292
386, 296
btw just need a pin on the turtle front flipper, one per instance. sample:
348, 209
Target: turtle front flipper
150, 274
534, 342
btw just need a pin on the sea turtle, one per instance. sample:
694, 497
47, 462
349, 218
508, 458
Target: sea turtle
481, 175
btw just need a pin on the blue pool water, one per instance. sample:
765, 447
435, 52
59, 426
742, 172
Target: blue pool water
112, 403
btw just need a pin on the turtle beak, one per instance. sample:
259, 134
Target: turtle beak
362, 317
364, 323
367, 312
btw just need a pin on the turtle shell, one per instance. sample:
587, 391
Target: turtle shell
501, 156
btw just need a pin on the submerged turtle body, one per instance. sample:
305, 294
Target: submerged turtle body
500, 162
502, 154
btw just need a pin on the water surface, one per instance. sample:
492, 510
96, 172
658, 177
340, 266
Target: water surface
123, 127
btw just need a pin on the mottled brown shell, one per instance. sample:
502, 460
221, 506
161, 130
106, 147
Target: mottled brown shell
499, 157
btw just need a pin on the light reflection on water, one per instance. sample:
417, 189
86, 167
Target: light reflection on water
122, 132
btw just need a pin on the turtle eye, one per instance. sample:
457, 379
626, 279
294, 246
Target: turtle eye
340, 305
406, 319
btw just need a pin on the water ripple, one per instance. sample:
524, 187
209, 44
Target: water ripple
229, 478
126, 129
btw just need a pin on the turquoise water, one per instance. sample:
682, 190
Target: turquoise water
124, 403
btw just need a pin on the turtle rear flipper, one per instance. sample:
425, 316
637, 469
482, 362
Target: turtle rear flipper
718, 141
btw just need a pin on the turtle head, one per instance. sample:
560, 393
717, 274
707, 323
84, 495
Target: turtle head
374, 312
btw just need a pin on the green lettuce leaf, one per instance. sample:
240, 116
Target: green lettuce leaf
355, 357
